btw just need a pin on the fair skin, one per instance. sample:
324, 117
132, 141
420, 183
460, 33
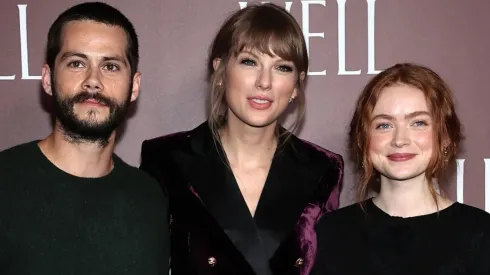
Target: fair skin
92, 58
258, 90
401, 146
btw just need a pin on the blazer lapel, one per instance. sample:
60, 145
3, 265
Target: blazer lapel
292, 181
212, 181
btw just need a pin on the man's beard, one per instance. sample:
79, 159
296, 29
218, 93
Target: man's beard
88, 130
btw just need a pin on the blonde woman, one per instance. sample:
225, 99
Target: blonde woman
245, 193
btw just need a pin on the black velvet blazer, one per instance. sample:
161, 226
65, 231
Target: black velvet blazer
212, 231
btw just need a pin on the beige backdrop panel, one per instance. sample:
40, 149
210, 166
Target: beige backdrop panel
450, 36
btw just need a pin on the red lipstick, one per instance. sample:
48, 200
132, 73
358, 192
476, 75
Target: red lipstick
259, 102
401, 156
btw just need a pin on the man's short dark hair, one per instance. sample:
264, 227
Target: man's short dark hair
97, 12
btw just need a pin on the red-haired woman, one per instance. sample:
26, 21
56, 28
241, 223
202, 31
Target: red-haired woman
403, 134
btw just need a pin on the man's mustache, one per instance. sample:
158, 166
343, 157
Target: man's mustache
83, 96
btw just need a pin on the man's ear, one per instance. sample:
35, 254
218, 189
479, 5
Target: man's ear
46, 79
136, 86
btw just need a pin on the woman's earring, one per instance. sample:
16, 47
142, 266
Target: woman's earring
445, 154
291, 99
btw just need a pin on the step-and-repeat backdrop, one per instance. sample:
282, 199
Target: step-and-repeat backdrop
349, 41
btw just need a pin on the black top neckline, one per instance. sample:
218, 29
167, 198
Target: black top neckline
44, 163
374, 210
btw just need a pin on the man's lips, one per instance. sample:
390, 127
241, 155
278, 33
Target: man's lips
93, 102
